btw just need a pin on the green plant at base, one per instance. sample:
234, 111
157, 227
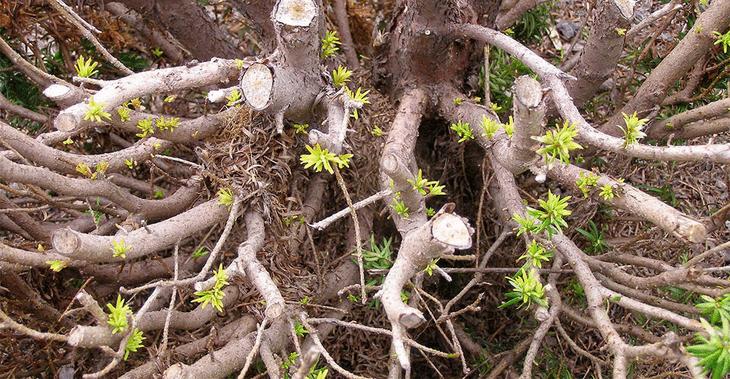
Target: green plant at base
320, 158
713, 350
85, 68
376, 132
118, 315
130, 163
463, 130
225, 197
379, 256
490, 127
714, 309
632, 131
169, 98
330, 44
214, 296
157, 52
119, 249
95, 111
57, 265
535, 255
300, 128
558, 143
585, 182
233, 97
595, 237
425, 186
525, 224
340, 76
430, 212
431, 266
133, 343
526, 290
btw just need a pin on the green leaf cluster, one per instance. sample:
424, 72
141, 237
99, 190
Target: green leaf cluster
535, 255
330, 44
340, 76
320, 159
95, 112
425, 186
85, 68
595, 237
526, 290
722, 39
133, 343
713, 349
399, 206
551, 215
225, 197
118, 314
379, 256
558, 143
463, 130
633, 129
585, 182
214, 296
233, 97
119, 249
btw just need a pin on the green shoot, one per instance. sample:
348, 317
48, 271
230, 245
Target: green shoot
713, 352
199, 252
632, 132
157, 52
509, 127
607, 192
722, 39
158, 194
558, 143
234, 97
163, 123
494, 107
535, 255
330, 44
399, 206
715, 309
320, 158
124, 113
430, 212
463, 130
133, 343
145, 128
84, 169
525, 224
300, 128
130, 163
376, 132
490, 127
68, 141
214, 296
300, 330
458, 101
425, 186
119, 249
85, 68
240, 63
431, 267
595, 237
118, 315
95, 112
526, 290
551, 216
379, 256
340, 76
169, 98
358, 99
585, 182
57, 265
225, 197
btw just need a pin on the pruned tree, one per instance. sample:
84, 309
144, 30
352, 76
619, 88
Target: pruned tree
195, 208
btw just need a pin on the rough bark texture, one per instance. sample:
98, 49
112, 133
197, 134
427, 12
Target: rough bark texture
190, 25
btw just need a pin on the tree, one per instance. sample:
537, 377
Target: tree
128, 150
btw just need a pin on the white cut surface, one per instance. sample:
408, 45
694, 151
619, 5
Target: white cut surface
216, 96
256, 85
451, 230
55, 91
296, 12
